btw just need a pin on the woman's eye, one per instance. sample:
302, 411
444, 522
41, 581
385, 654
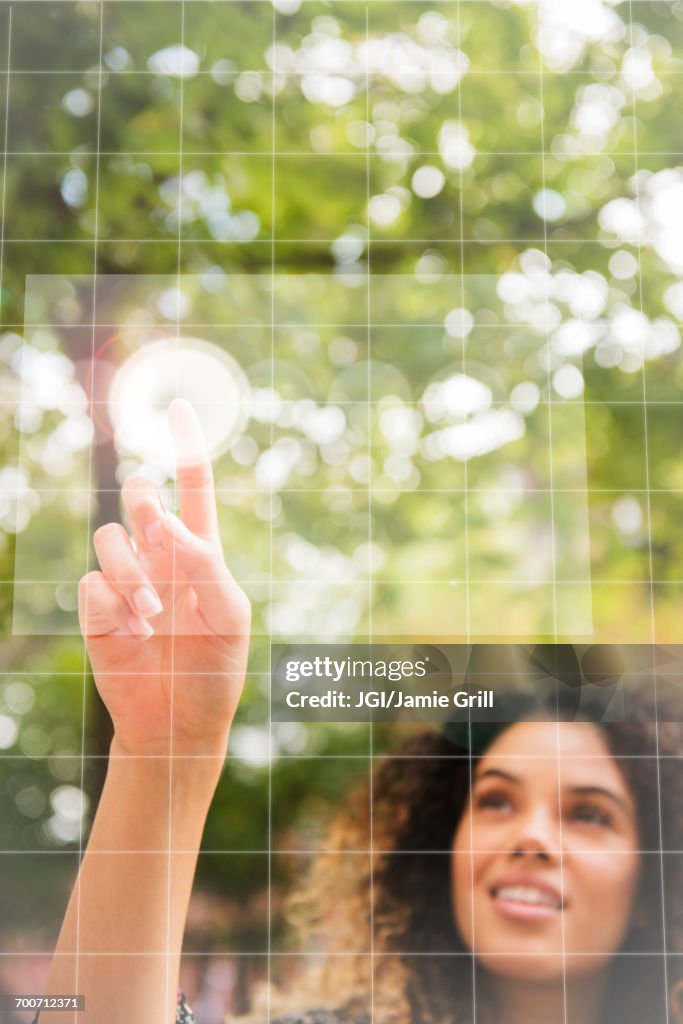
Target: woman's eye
494, 802
590, 814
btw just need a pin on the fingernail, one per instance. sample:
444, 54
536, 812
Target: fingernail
140, 628
147, 602
153, 534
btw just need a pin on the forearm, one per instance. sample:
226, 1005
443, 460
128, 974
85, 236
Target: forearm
122, 936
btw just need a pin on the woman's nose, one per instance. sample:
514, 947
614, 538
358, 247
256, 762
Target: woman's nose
536, 835
529, 850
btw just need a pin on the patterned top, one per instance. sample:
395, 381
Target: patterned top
184, 1015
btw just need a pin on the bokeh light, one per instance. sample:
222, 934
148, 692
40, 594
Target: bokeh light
187, 368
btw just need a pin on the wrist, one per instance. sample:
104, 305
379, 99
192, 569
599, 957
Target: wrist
187, 779
183, 752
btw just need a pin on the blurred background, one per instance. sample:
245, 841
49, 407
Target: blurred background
460, 395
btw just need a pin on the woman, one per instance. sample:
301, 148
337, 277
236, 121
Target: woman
552, 876
521, 886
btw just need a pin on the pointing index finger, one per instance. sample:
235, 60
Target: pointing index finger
195, 473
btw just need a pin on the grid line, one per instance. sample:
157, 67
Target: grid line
85, 664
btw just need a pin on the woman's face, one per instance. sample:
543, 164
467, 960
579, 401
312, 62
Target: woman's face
545, 861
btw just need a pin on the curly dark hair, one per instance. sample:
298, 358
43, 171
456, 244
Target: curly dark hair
417, 799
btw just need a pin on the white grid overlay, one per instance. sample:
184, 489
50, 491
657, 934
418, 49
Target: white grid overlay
461, 242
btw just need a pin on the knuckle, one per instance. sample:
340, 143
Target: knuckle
130, 488
106, 533
200, 558
89, 589
137, 487
89, 580
134, 483
196, 477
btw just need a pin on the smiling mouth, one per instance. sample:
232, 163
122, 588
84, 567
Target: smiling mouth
527, 896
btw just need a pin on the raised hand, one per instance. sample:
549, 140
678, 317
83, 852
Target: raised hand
165, 623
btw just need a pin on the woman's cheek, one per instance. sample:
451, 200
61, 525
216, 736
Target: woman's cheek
603, 887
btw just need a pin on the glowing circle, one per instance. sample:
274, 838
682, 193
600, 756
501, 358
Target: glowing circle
157, 373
